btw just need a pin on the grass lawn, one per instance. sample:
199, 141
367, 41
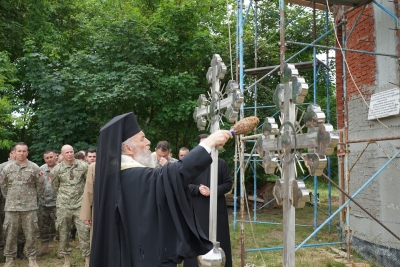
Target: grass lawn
50, 260
258, 235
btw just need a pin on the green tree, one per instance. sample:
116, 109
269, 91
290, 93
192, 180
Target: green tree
7, 77
125, 59
79, 63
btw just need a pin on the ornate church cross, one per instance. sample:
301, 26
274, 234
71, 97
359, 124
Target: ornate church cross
210, 109
282, 144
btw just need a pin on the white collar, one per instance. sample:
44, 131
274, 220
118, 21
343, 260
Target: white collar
128, 162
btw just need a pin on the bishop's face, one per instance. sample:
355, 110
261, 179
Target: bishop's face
141, 142
139, 150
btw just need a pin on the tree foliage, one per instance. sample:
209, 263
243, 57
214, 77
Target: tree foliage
7, 77
82, 62
67, 67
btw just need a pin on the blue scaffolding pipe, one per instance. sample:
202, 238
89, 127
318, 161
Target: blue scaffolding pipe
274, 223
387, 11
344, 49
247, 11
314, 84
272, 200
241, 82
276, 113
252, 166
355, 23
347, 11
293, 56
280, 248
348, 201
237, 60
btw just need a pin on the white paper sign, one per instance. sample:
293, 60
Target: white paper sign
384, 104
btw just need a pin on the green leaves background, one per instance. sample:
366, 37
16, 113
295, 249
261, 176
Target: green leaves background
67, 67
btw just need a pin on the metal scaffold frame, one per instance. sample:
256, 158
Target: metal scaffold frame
250, 159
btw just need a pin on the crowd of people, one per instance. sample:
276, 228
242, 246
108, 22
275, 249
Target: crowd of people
55, 201
43, 203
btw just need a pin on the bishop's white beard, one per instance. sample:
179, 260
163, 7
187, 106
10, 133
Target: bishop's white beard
144, 157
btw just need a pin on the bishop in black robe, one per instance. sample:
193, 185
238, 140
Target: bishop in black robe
201, 206
143, 217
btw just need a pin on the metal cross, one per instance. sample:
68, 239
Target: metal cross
211, 109
281, 144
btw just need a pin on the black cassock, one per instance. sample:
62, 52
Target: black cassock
148, 219
202, 208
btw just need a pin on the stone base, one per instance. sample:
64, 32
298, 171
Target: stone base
381, 255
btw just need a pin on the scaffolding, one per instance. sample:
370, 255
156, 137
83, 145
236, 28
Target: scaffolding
251, 158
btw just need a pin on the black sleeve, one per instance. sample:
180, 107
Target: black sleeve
193, 189
194, 164
224, 178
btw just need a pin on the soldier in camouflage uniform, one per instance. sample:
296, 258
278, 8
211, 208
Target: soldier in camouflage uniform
22, 184
3, 199
47, 205
21, 237
68, 182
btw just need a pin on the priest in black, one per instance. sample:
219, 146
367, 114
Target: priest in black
200, 191
143, 217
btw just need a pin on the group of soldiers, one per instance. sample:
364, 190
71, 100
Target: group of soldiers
43, 202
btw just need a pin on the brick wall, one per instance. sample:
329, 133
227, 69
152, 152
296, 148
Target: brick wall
362, 66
